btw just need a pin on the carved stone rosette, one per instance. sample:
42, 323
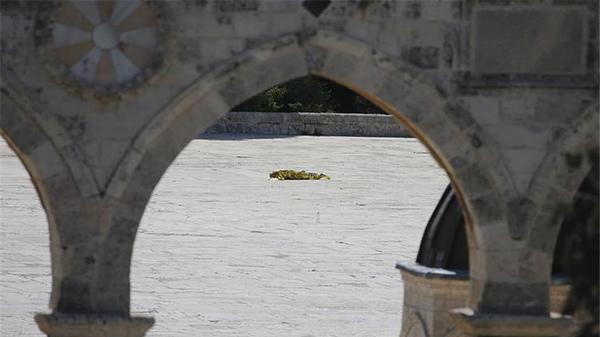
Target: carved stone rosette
102, 48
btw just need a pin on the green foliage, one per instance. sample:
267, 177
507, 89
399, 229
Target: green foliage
270, 99
308, 94
297, 175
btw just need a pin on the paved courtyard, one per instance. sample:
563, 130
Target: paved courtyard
223, 251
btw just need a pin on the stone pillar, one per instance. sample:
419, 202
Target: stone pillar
91, 256
92, 325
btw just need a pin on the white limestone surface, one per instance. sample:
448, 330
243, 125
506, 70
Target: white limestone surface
223, 251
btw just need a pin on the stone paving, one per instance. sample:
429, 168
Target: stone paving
224, 251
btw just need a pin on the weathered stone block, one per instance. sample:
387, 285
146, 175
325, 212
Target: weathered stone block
520, 136
12, 117
206, 25
45, 162
535, 265
324, 124
93, 325
236, 6
525, 298
517, 110
556, 110
474, 181
485, 110
529, 41
476, 324
27, 138
60, 192
523, 160
412, 9
424, 57
488, 211
250, 24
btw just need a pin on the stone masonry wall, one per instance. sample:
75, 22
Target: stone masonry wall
309, 123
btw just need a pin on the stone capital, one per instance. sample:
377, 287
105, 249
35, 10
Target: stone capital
502, 325
92, 325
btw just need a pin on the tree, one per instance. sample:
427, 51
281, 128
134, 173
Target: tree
308, 94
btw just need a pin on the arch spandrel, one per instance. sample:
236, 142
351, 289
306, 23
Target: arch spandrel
58, 138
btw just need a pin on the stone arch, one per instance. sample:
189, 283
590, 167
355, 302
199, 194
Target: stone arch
557, 181
447, 129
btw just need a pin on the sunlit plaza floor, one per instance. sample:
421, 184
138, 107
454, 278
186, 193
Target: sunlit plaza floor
224, 251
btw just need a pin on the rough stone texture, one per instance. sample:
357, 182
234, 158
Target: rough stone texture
510, 326
503, 41
431, 293
64, 325
308, 123
105, 153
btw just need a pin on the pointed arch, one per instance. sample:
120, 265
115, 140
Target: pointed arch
444, 126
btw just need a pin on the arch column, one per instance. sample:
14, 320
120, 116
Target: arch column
509, 291
91, 284
533, 225
90, 241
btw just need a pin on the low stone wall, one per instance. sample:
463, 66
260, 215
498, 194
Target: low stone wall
430, 294
305, 123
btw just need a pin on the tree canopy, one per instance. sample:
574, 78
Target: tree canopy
309, 94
